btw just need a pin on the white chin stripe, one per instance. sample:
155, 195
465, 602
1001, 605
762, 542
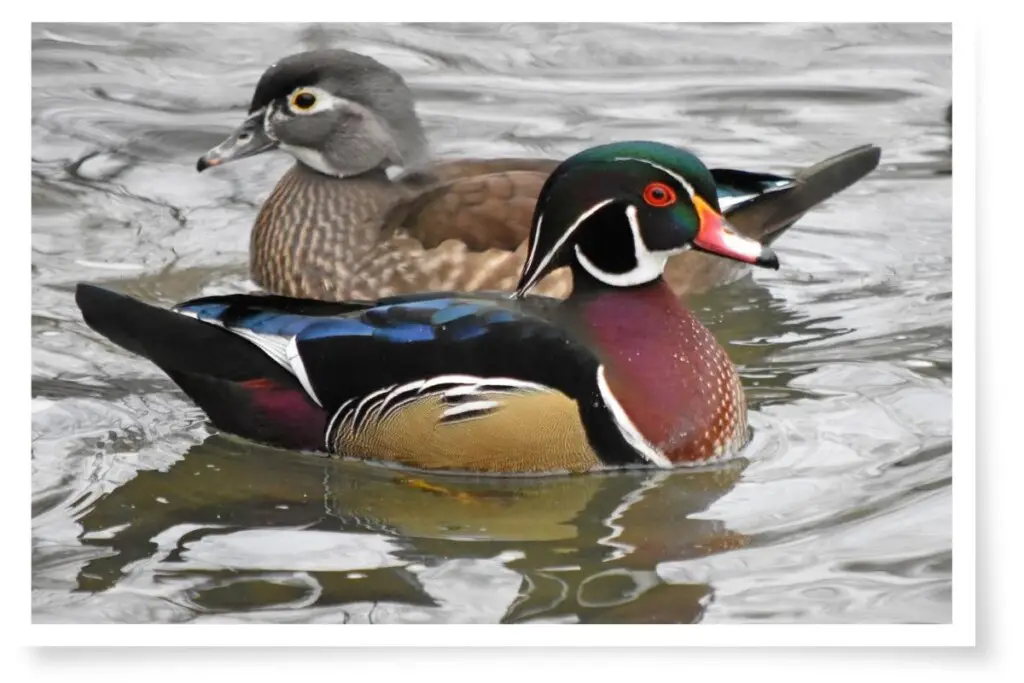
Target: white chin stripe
648, 270
649, 264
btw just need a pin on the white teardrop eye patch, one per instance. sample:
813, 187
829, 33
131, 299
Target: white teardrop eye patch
309, 100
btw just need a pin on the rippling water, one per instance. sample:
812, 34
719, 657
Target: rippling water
841, 509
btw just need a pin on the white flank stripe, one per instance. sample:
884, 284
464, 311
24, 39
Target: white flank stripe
626, 427
354, 417
330, 425
489, 388
470, 407
466, 390
473, 381
448, 379
378, 403
376, 410
490, 385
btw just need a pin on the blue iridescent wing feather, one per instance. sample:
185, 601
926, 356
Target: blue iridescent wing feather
351, 352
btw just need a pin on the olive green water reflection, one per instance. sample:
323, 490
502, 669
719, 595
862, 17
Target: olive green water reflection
335, 534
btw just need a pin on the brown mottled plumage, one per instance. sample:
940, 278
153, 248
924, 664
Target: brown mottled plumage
336, 227
374, 237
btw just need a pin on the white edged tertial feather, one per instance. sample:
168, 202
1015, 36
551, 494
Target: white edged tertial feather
276, 347
298, 368
626, 427
282, 350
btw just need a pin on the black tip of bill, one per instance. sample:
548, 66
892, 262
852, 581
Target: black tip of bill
767, 259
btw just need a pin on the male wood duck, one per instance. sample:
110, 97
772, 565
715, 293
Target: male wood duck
619, 373
338, 226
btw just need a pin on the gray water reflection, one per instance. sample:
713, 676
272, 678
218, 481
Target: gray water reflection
841, 509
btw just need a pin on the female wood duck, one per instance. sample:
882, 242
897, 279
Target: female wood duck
337, 226
620, 373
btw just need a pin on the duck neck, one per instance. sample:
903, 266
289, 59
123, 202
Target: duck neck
663, 368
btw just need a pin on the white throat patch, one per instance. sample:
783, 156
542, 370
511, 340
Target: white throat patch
649, 264
312, 158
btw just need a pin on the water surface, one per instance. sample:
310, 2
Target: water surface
840, 510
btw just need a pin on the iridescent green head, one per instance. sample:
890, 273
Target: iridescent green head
617, 212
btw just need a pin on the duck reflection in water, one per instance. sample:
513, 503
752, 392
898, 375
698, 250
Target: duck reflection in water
585, 547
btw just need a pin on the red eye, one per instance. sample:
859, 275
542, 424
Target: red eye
659, 195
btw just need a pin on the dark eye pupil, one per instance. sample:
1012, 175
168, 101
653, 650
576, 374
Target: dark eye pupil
305, 100
658, 193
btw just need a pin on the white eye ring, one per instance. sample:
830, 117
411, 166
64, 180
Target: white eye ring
317, 99
303, 100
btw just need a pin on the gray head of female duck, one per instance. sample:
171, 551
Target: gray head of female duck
335, 111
